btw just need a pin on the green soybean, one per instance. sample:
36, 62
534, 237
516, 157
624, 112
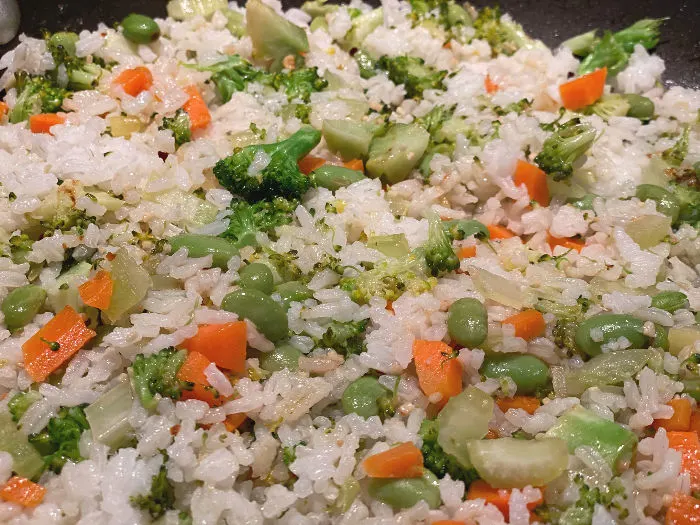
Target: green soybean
582, 203
461, 229
21, 305
666, 202
64, 39
293, 292
609, 328
669, 301
269, 317
403, 493
528, 372
140, 29
363, 397
641, 107
283, 356
335, 177
257, 276
198, 245
467, 322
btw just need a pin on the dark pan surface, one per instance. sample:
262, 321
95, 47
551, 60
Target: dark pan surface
550, 20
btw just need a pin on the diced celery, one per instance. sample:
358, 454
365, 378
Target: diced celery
124, 126
195, 211
362, 26
131, 283
26, 461
236, 22
649, 230
680, 337
109, 416
394, 245
186, 9
394, 155
500, 289
273, 36
65, 293
348, 138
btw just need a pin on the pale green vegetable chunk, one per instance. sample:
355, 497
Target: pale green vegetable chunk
649, 230
348, 138
131, 284
393, 156
109, 416
362, 26
274, 37
65, 293
186, 9
26, 461
393, 245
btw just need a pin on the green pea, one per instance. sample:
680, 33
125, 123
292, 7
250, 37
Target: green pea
692, 387
140, 29
528, 372
364, 397
467, 322
268, 316
641, 107
21, 305
64, 39
461, 229
293, 292
335, 177
611, 326
582, 203
666, 202
670, 301
258, 276
403, 493
198, 245
283, 356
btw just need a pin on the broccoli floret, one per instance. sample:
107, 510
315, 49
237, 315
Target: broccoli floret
689, 199
366, 64
503, 34
285, 265
437, 460
645, 32
58, 442
81, 73
676, 154
439, 255
315, 8
231, 75
277, 173
67, 218
179, 125
447, 13
35, 95
412, 72
435, 118
157, 374
564, 334
161, 497
299, 83
345, 338
246, 219
21, 402
564, 147
613, 105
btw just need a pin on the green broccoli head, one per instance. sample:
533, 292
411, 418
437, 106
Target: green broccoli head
564, 147
645, 32
449, 14
689, 198
412, 72
346, 338
435, 118
35, 95
675, 155
613, 105
21, 402
157, 374
161, 497
503, 35
179, 124
278, 174
58, 443
231, 75
246, 219
299, 83
437, 460
439, 255
607, 53
82, 74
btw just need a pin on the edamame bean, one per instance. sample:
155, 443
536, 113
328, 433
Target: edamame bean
692, 387
258, 276
582, 203
363, 397
198, 245
140, 29
641, 107
669, 301
461, 229
283, 356
666, 202
528, 372
335, 177
595, 331
403, 493
65, 40
467, 322
660, 338
293, 292
21, 305
268, 316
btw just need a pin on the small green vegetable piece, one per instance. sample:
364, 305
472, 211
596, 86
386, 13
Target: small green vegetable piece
35, 95
279, 178
231, 74
157, 374
612, 327
529, 373
247, 220
65, 40
392, 245
198, 245
607, 53
58, 442
81, 73
394, 155
236, 22
439, 255
316, 8
581, 45
257, 276
676, 154
670, 301
131, 284
366, 64
109, 416
412, 72
299, 83
349, 139
362, 26
345, 338
283, 356
140, 29
188, 9
612, 105
437, 460
161, 497
367, 397
26, 461
21, 305
689, 199
563, 148
179, 124
293, 291
641, 107
21, 402
335, 177
645, 32
268, 316
467, 322
403, 493
274, 37
666, 202
460, 229
503, 34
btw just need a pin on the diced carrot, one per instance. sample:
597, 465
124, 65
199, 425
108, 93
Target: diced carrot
4, 108
402, 461
310, 163
467, 252
225, 344
684, 510
688, 444
43, 122
569, 243
134, 81
438, 371
528, 403
492, 434
233, 421
196, 109
23, 492
55, 343
695, 421
584, 90
497, 232
390, 307
528, 324
479, 489
355, 164
448, 522
535, 181
97, 292
192, 372
489, 85
680, 420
